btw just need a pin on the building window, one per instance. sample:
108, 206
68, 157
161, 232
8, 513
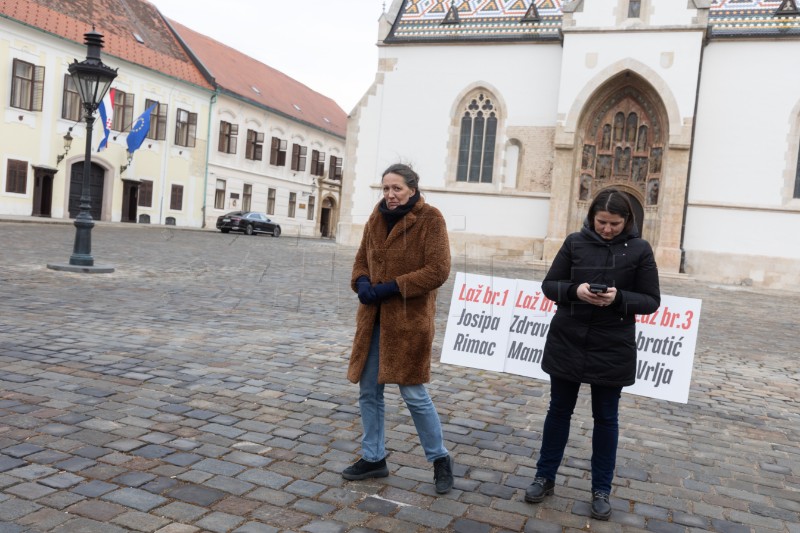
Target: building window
219, 196
292, 203
123, 111
146, 193
335, 168
271, 202
299, 154
634, 9
228, 134
247, 197
477, 140
27, 86
277, 153
310, 210
176, 198
185, 128
317, 163
158, 120
17, 176
71, 101
255, 145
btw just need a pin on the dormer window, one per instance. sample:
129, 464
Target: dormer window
634, 9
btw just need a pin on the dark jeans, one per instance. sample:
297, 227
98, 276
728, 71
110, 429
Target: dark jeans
605, 409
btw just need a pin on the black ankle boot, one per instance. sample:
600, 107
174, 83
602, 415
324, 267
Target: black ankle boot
601, 509
364, 469
539, 489
443, 474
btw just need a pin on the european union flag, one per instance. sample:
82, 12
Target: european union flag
139, 129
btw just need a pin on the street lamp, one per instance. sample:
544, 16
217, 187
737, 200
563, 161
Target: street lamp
67, 146
92, 80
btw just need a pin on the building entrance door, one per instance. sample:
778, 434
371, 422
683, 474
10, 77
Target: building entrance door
96, 189
42, 192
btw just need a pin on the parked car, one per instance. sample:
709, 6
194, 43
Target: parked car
250, 222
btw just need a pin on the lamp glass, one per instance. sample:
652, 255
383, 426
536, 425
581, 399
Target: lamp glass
92, 81
67, 142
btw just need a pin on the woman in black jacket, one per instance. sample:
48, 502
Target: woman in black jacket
601, 278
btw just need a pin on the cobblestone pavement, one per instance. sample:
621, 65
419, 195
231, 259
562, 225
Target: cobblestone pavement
201, 387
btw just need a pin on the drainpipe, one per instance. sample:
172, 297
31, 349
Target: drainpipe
208, 154
682, 268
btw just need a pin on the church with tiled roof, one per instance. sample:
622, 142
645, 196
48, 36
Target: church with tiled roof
516, 113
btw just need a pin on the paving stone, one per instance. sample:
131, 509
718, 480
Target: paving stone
255, 527
219, 522
324, 526
86, 525
140, 521
96, 510
94, 488
32, 472
134, 498
30, 490
215, 466
10, 463
21, 450
195, 494
133, 479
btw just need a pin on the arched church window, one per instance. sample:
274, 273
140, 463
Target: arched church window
477, 138
624, 146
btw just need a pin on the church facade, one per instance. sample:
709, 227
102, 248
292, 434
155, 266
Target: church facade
515, 113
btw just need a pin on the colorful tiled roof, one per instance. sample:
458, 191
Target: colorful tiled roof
262, 85
478, 20
748, 18
505, 20
120, 22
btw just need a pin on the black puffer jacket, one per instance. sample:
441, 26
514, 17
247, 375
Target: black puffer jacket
591, 344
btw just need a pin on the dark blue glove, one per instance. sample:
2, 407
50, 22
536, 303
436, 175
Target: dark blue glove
385, 290
366, 294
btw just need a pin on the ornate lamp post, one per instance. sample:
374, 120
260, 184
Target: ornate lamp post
92, 80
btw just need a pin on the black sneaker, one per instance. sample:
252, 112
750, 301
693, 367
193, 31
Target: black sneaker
601, 509
364, 469
539, 489
443, 474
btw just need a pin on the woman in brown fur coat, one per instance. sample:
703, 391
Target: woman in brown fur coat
403, 259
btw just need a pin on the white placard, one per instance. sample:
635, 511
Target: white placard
501, 324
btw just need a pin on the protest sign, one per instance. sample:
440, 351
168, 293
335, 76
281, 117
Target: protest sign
501, 324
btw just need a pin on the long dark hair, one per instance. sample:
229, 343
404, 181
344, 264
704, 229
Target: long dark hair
615, 202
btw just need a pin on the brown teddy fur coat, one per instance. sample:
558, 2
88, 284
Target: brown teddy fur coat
417, 255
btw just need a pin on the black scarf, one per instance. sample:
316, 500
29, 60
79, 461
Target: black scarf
393, 216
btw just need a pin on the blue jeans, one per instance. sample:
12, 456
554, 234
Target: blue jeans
370, 400
605, 411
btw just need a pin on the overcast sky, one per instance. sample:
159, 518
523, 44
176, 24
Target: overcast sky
328, 45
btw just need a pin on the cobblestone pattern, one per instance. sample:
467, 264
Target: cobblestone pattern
201, 387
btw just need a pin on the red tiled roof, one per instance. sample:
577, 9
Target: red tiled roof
239, 74
117, 20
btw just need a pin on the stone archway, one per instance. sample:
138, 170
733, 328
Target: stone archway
327, 222
622, 139
624, 142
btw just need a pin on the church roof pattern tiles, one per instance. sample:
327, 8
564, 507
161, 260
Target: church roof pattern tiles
120, 22
504, 20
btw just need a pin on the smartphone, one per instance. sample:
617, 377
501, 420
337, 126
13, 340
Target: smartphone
597, 288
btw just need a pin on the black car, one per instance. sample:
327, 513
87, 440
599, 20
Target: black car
250, 222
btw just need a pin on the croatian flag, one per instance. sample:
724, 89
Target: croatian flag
106, 117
